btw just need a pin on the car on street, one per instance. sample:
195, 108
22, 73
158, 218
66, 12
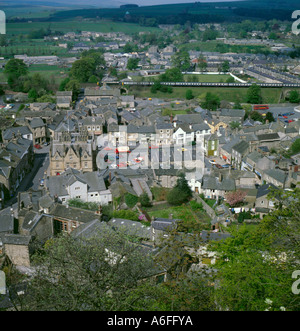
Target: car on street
37, 146
212, 161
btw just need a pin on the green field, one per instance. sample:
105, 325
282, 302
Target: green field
49, 72
73, 26
270, 95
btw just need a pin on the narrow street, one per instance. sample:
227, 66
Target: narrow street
32, 179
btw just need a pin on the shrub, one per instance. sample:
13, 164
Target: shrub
196, 205
131, 200
145, 200
177, 197
126, 214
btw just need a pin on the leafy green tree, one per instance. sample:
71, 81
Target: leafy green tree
171, 75
63, 83
83, 69
269, 117
46, 98
32, 94
254, 94
176, 197
15, 68
211, 101
132, 63
181, 193
225, 66
202, 63
254, 267
256, 116
77, 274
145, 200
294, 97
181, 60
209, 34
74, 86
131, 200
93, 79
189, 94
234, 125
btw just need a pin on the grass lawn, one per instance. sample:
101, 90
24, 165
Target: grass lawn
269, 95
49, 72
184, 212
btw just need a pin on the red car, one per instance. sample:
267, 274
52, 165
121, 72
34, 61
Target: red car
37, 146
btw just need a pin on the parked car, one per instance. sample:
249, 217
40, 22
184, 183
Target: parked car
218, 166
226, 165
212, 161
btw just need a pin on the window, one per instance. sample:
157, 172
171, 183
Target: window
78, 197
77, 188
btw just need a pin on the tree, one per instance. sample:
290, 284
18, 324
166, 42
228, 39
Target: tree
15, 68
74, 86
209, 35
211, 102
254, 94
132, 63
171, 75
294, 97
234, 125
256, 116
83, 69
100, 273
189, 94
225, 66
202, 63
235, 198
181, 60
269, 117
255, 267
176, 197
181, 192
46, 98
145, 200
32, 94
131, 200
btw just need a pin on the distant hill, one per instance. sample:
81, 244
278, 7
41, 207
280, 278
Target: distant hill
129, 6
194, 12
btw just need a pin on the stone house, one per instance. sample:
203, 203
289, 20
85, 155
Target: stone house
71, 151
73, 184
264, 205
38, 129
17, 248
16, 160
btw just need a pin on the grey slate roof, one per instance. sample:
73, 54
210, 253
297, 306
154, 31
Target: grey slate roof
130, 227
9, 133
164, 224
